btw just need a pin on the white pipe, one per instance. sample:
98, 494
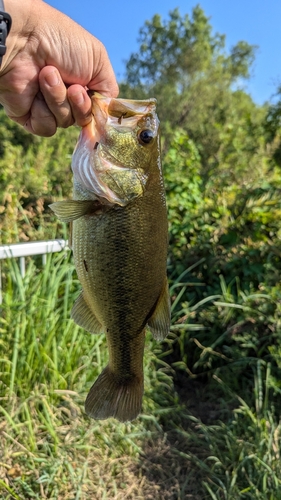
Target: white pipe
32, 248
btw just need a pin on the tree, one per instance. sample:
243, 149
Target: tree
185, 66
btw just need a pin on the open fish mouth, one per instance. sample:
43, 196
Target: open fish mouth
122, 114
121, 108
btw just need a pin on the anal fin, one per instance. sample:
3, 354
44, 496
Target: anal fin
159, 322
84, 316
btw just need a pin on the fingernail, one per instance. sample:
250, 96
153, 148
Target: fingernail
52, 79
77, 98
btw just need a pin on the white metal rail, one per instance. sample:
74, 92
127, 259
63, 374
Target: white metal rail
23, 250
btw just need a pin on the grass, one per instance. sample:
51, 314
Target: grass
200, 439
241, 456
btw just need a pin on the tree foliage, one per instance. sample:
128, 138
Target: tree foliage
196, 82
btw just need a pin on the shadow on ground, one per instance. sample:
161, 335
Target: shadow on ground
165, 466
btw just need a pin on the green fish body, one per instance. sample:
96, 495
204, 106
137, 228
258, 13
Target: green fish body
119, 242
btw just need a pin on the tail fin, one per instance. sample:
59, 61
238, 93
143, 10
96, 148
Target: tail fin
109, 397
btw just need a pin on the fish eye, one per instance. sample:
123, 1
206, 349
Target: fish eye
146, 136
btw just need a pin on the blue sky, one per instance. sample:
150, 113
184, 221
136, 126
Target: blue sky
117, 22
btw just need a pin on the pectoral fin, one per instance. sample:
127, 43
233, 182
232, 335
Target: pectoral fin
84, 316
70, 210
159, 322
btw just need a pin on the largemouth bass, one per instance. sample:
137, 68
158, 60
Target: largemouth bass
119, 239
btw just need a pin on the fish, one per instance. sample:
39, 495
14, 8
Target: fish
119, 240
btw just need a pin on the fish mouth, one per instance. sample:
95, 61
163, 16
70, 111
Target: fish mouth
125, 108
120, 113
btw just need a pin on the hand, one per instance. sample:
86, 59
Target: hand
50, 63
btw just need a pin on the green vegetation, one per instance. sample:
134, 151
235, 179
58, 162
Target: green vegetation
210, 427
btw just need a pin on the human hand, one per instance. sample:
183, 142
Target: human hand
50, 63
